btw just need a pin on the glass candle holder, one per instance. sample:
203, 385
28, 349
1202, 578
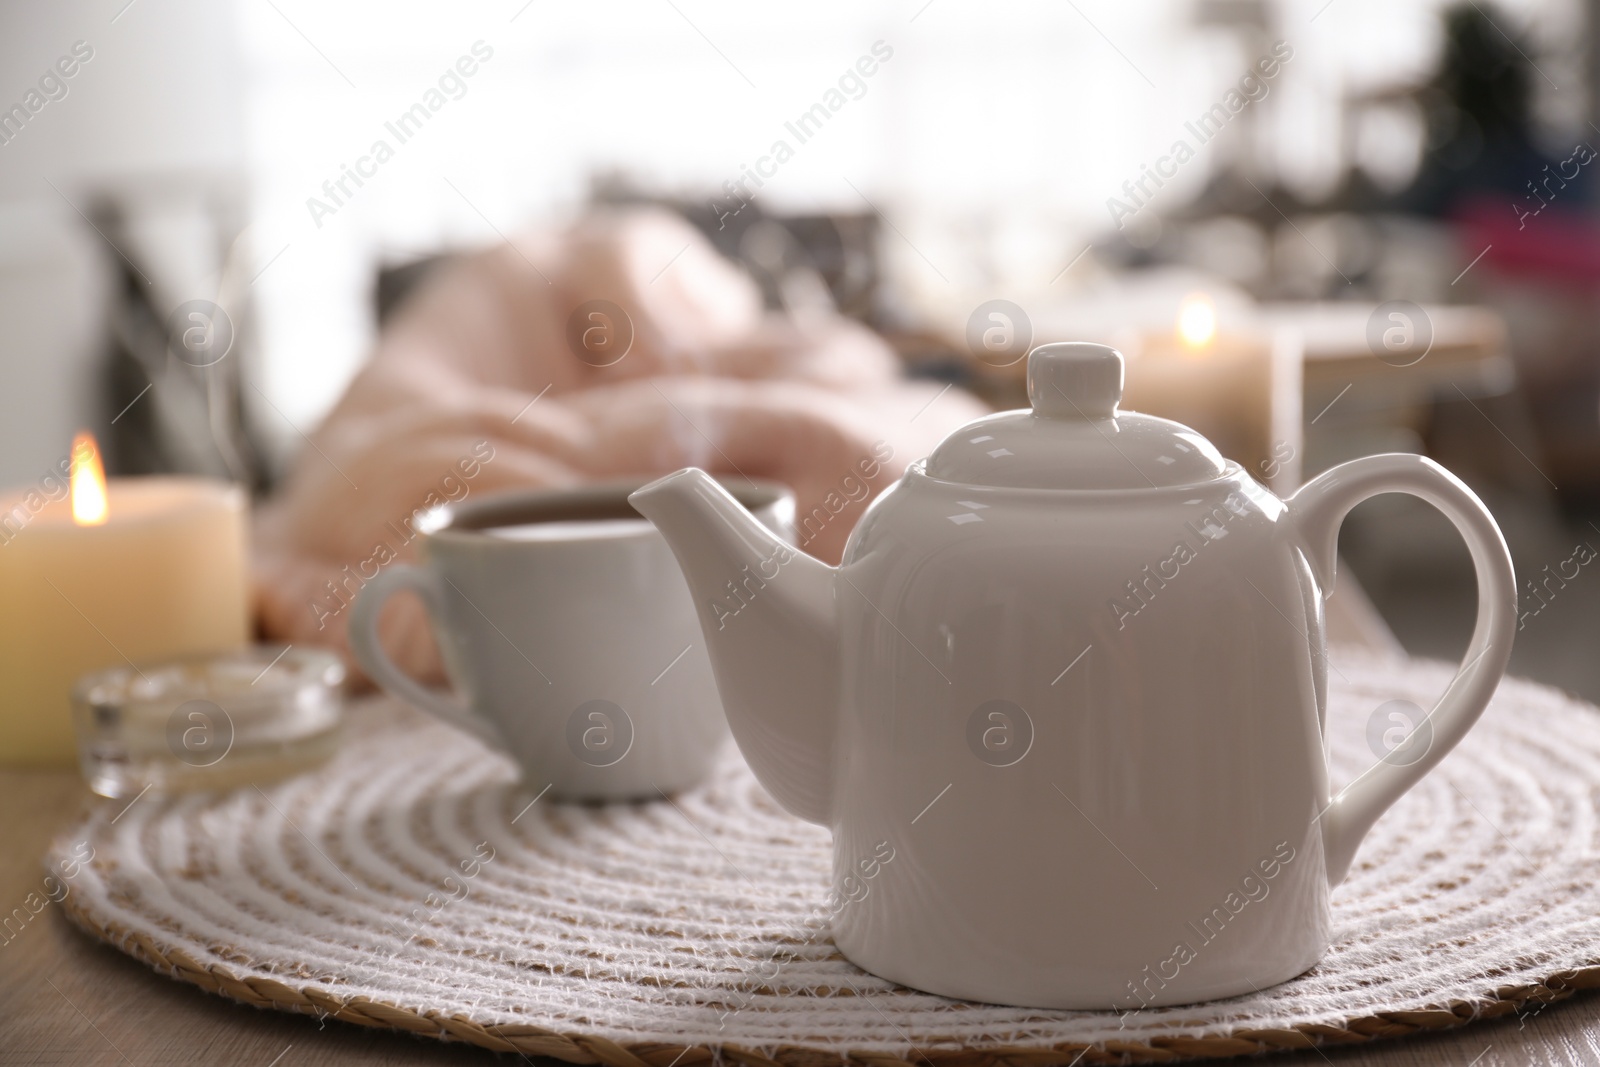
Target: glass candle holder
215, 722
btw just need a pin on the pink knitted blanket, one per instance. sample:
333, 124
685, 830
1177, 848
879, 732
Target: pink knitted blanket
483, 383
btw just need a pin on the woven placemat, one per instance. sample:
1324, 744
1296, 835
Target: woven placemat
411, 883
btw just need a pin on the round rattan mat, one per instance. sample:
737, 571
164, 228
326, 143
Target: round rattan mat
412, 883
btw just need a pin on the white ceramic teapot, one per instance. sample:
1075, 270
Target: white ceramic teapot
1072, 670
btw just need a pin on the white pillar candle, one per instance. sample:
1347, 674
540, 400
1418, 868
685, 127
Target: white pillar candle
137, 571
1239, 388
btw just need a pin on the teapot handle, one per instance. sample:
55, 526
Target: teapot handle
1317, 510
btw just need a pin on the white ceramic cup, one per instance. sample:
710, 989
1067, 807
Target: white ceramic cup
569, 632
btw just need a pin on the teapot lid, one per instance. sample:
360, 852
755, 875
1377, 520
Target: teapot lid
1074, 437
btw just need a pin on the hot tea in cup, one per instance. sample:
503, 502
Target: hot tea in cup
569, 633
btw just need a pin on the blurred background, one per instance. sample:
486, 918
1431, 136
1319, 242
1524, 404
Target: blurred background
1381, 234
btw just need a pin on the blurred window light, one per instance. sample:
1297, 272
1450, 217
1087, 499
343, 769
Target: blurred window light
1388, 144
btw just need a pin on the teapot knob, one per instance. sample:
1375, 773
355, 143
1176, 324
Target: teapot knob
1075, 380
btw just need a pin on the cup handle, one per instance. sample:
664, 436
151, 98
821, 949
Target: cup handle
376, 662
1318, 509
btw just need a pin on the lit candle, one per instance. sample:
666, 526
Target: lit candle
95, 575
1197, 322
1240, 388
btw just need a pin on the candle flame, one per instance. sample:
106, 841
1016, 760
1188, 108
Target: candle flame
89, 507
1197, 322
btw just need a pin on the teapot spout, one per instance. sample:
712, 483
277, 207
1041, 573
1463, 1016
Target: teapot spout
767, 613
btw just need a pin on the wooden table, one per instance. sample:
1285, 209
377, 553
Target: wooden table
68, 999
1470, 350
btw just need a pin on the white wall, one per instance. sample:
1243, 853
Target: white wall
161, 95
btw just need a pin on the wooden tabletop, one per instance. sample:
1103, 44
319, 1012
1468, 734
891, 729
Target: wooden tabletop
68, 999
65, 998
